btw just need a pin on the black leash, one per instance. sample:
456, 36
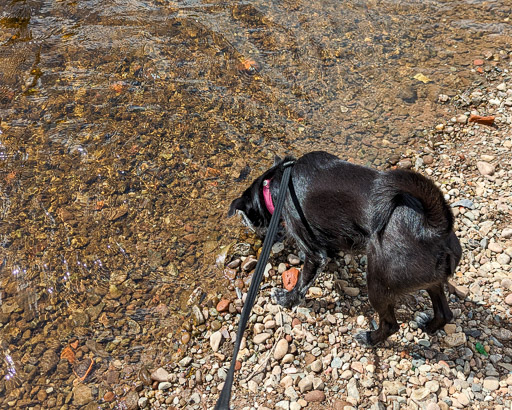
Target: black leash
225, 395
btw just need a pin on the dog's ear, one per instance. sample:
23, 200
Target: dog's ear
237, 204
277, 160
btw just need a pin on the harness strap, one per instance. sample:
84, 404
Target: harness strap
225, 395
299, 210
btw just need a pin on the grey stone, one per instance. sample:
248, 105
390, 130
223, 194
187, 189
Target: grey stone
465, 203
352, 390
336, 363
291, 393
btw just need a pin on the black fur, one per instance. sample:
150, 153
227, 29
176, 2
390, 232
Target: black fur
399, 218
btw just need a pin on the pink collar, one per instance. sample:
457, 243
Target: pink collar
267, 196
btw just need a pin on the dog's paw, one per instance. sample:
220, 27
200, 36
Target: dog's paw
422, 318
283, 297
363, 338
424, 321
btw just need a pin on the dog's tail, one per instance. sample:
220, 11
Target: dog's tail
432, 216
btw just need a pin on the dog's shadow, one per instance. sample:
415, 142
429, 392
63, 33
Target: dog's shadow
421, 348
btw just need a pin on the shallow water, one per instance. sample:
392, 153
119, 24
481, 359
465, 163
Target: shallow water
126, 127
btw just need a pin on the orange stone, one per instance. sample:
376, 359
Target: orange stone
185, 337
238, 365
489, 120
248, 64
223, 305
119, 86
290, 278
478, 62
109, 396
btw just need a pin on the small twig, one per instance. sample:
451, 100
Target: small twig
270, 351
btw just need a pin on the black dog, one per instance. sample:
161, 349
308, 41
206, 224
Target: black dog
399, 218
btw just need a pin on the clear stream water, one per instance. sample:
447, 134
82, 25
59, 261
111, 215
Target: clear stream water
126, 127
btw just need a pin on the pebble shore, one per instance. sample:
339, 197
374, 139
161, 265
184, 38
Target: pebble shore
308, 357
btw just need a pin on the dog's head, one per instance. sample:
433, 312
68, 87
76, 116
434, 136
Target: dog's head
248, 206
251, 206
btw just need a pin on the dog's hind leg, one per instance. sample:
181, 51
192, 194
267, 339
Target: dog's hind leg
385, 307
442, 313
383, 301
312, 268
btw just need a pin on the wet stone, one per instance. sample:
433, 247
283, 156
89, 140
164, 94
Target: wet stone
42, 395
185, 337
112, 377
82, 395
131, 400
197, 315
249, 264
49, 361
215, 325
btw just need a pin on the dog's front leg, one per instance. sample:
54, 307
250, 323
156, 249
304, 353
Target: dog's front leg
312, 268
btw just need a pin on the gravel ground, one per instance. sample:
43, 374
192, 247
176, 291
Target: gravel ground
308, 357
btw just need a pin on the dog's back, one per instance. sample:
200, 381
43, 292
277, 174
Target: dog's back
333, 194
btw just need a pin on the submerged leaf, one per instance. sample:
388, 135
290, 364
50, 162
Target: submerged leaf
422, 78
221, 257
